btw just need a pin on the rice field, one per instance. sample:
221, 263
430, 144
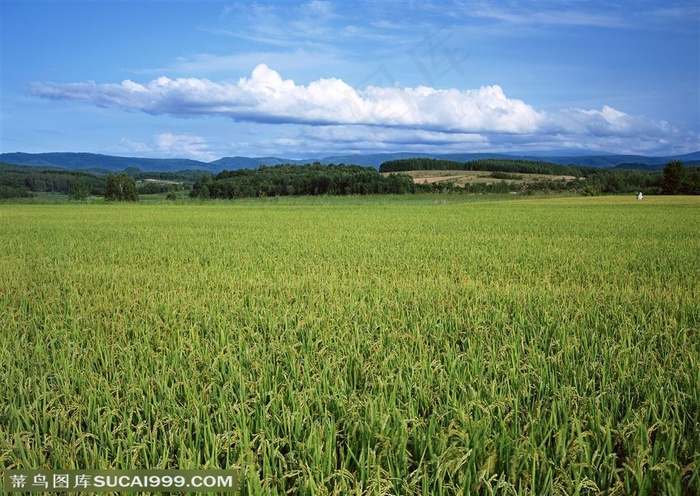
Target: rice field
390, 345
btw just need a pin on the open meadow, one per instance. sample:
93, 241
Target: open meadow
382, 345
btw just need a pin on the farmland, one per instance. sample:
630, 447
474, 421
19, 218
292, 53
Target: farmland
462, 177
416, 344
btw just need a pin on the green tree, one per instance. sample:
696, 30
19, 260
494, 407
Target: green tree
79, 191
120, 187
674, 178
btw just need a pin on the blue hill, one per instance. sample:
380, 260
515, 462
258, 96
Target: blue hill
85, 161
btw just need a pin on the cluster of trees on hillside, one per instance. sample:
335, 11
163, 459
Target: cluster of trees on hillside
149, 183
22, 182
675, 178
18, 181
680, 180
489, 164
314, 179
317, 179
120, 187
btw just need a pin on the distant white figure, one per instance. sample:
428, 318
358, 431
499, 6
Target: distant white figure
640, 196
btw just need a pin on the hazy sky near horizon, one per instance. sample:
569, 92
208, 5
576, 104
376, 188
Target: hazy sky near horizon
210, 79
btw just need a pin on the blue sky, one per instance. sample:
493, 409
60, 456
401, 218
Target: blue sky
208, 79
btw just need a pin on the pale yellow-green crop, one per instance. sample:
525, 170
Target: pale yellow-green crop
412, 345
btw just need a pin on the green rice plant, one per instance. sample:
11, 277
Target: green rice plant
390, 345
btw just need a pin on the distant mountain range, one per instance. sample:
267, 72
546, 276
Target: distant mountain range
92, 161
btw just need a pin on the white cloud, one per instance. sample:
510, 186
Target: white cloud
184, 145
169, 145
308, 24
129, 146
380, 113
605, 122
266, 97
331, 140
543, 14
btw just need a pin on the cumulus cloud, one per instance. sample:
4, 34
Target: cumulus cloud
266, 97
605, 122
430, 114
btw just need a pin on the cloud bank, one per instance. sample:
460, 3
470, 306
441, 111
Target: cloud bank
265, 97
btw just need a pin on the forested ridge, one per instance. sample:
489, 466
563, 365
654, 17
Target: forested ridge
24, 181
674, 179
295, 180
488, 164
342, 179
20, 181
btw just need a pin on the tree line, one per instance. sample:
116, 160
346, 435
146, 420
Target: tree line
295, 180
27, 181
488, 164
680, 180
318, 179
675, 179
22, 182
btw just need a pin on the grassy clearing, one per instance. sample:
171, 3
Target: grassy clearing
413, 345
462, 177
